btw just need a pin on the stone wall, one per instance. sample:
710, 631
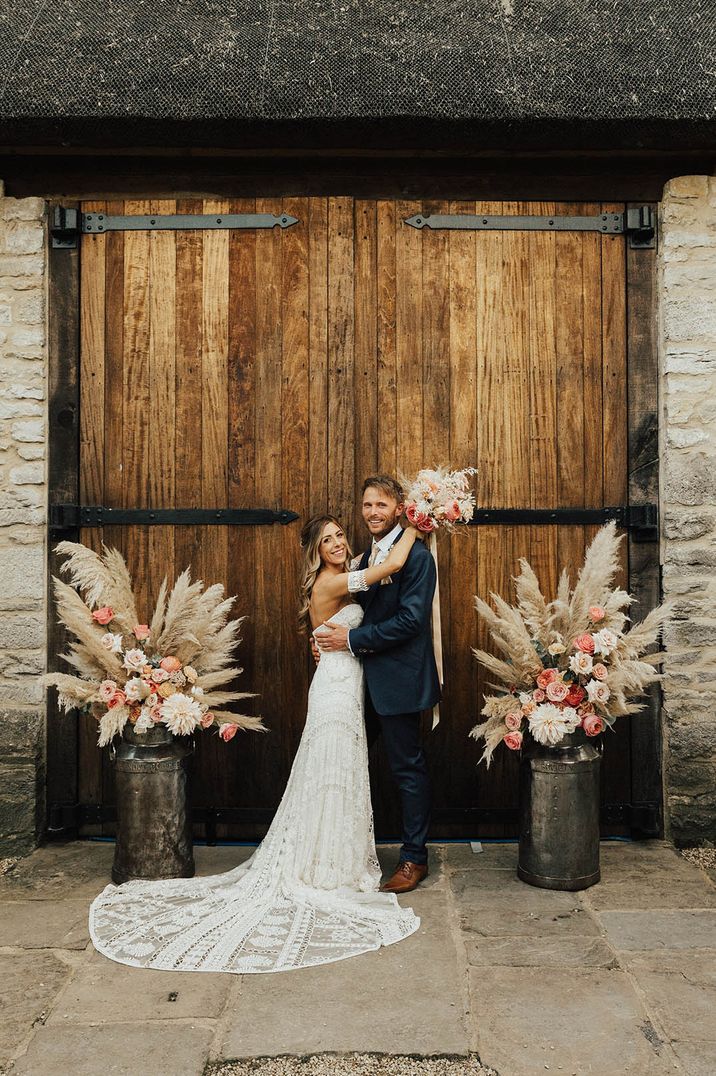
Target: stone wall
687, 289
23, 498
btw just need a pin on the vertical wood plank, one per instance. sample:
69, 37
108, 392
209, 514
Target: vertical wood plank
318, 354
341, 399
387, 354
366, 371
408, 339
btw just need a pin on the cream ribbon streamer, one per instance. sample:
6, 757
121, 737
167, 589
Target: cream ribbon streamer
437, 626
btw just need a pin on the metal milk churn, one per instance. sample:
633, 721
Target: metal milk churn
154, 838
559, 813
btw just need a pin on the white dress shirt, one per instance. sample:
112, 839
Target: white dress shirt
381, 549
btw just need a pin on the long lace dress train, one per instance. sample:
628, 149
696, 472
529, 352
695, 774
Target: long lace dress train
308, 894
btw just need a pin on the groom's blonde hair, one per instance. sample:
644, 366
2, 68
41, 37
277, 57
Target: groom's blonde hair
387, 483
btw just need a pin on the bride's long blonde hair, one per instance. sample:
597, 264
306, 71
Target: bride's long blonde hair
311, 563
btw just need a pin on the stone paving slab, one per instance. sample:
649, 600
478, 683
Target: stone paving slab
117, 1049
501, 857
62, 870
161, 995
405, 998
52, 924
631, 930
538, 952
698, 1058
518, 909
572, 1020
29, 982
681, 986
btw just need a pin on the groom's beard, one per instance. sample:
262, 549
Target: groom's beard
377, 535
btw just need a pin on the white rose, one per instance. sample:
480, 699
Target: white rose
581, 663
604, 641
524, 698
136, 689
557, 647
570, 717
597, 691
112, 642
134, 660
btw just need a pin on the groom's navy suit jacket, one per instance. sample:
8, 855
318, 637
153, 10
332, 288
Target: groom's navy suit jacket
395, 640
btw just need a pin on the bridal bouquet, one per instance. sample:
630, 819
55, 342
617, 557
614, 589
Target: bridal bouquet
570, 663
166, 672
439, 498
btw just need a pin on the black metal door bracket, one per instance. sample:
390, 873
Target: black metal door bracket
638, 223
640, 519
65, 517
67, 224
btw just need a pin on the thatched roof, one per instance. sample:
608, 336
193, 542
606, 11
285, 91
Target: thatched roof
462, 72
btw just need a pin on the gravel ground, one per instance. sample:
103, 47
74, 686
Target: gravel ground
6, 865
352, 1065
702, 857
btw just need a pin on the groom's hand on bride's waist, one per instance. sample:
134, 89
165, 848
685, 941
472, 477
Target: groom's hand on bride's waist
336, 639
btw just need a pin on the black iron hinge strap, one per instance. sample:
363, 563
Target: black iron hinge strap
638, 223
68, 516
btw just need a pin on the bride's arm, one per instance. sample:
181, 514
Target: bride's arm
339, 585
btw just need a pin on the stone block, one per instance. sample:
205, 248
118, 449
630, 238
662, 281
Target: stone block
30, 309
22, 629
23, 574
680, 437
659, 929
681, 990
30, 982
691, 821
29, 266
513, 908
689, 482
47, 924
22, 208
28, 474
28, 517
162, 1049
582, 1019
698, 1058
31, 452
23, 237
556, 952
20, 807
685, 187
690, 633
26, 392
19, 408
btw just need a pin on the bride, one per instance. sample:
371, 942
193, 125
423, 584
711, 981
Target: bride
309, 893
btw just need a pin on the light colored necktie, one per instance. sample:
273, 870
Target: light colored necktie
373, 554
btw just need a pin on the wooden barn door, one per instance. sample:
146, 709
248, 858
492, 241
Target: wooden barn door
275, 368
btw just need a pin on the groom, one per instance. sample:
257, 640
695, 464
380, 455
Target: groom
395, 644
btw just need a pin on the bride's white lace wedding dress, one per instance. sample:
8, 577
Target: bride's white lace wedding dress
308, 894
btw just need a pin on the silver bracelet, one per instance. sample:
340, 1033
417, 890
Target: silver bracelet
356, 581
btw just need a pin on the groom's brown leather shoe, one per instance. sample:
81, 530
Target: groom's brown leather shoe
406, 876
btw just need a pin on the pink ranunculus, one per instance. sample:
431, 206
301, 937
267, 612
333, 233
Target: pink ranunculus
207, 719
452, 511
513, 721
171, 664
596, 613
103, 615
118, 699
538, 695
228, 730
600, 671
141, 631
546, 677
513, 740
557, 691
107, 689
585, 643
592, 724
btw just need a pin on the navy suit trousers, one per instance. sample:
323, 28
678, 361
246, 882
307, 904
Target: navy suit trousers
401, 736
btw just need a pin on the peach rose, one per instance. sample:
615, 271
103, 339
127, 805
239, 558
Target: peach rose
141, 631
592, 724
228, 730
118, 699
103, 615
207, 719
452, 511
600, 671
584, 642
538, 695
171, 664
596, 613
513, 721
546, 677
557, 691
529, 707
513, 740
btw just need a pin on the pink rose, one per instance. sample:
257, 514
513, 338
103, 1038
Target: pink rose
596, 613
207, 719
103, 615
118, 699
228, 731
546, 677
538, 695
600, 671
592, 724
427, 525
452, 511
557, 691
585, 643
513, 721
107, 689
513, 740
141, 631
171, 664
